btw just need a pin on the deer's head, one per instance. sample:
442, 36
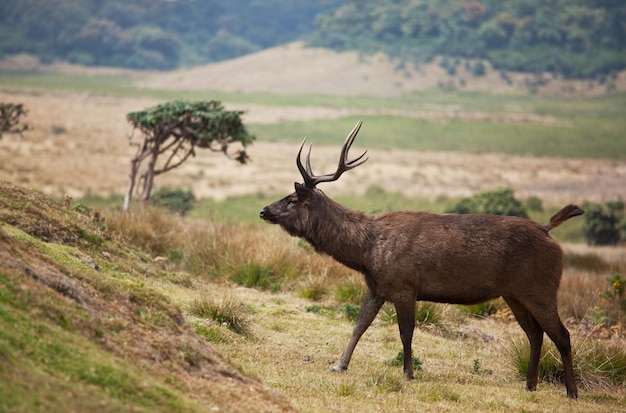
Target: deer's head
294, 210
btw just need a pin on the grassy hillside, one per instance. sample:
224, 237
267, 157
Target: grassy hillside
86, 326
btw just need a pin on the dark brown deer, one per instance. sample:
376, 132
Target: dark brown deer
449, 258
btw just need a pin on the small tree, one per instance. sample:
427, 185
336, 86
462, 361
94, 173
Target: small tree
176, 129
10, 116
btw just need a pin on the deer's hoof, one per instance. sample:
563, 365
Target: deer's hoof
339, 368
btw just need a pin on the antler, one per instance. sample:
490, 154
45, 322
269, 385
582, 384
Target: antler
311, 180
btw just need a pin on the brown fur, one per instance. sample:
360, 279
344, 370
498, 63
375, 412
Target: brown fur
412, 255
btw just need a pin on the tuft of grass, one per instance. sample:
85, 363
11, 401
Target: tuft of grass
255, 275
386, 382
485, 309
228, 313
314, 288
351, 311
149, 228
426, 313
398, 361
598, 363
350, 291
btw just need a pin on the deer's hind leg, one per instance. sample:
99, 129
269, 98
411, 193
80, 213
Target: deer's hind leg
547, 316
534, 332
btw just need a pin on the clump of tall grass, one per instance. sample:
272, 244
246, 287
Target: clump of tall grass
484, 309
597, 363
351, 290
227, 312
386, 382
426, 313
150, 229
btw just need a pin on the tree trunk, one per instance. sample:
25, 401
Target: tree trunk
149, 179
132, 177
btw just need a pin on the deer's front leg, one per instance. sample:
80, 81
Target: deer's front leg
369, 308
405, 309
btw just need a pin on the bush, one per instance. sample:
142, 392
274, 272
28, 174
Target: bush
174, 200
604, 225
479, 69
498, 202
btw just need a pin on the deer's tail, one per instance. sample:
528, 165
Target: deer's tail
563, 215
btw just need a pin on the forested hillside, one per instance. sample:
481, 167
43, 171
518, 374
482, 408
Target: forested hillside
155, 34
572, 38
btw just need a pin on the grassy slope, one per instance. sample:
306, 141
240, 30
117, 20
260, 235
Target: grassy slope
84, 327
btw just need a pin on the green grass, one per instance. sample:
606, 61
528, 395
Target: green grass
39, 361
587, 137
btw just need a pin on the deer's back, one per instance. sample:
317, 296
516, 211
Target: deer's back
462, 258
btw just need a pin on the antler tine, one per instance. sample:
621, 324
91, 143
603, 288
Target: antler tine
307, 174
344, 164
310, 180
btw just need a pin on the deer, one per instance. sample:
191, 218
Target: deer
410, 256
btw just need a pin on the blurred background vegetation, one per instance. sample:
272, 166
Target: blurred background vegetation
570, 38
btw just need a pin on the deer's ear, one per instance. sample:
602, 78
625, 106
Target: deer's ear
302, 191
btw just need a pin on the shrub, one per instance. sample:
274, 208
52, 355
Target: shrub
498, 202
174, 200
604, 225
479, 69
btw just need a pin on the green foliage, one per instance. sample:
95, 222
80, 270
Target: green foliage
426, 313
174, 200
604, 225
151, 34
351, 311
398, 361
578, 39
205, 124
498, 202
10, 116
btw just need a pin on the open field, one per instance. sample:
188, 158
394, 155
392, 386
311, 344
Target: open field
566, 144
78, 145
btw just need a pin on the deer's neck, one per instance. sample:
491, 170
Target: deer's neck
344, 234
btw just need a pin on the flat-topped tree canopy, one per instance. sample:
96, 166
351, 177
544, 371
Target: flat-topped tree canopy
177, 128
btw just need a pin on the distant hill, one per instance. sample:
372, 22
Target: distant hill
296, 69
579, 39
